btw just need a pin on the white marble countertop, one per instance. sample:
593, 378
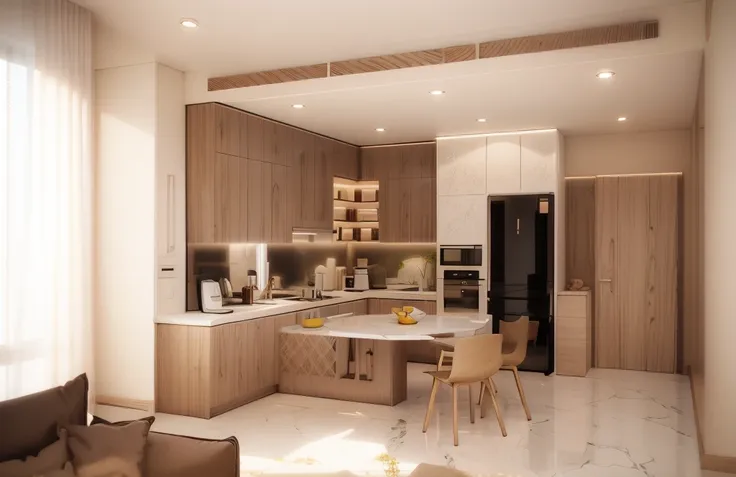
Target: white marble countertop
281, 306
385, 327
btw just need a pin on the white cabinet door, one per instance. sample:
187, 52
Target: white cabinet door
462, 219
539, 162
503, 165
461, 166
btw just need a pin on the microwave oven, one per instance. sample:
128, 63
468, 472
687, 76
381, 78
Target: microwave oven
461, 255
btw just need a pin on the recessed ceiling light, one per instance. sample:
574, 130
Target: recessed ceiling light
481, 120
605, 75
297, 106
380, 129
189, 23
436, 92
622, 119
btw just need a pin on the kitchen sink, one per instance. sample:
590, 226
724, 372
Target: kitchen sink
303, 298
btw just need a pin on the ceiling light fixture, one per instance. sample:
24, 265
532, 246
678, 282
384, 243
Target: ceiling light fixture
380, 129
436, 92
604, 75
297, 106
188, 23
621, 119
481, 120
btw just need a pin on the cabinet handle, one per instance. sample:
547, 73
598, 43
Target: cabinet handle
170, 214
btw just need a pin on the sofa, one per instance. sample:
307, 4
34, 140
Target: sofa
30, 423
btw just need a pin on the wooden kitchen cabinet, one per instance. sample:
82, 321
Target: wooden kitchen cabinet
280, 213
256, 192
345, 161
254, 130
303, 179
227, 130
323, 189
423, 227
200, 178
206, 371
227, 198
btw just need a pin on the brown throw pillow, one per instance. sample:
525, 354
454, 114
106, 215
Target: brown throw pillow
109, 450
51, 458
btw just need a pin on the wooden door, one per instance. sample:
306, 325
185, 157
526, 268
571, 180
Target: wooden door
660, 324
607, 323
306, 164
410, 165
360, 307
630, 279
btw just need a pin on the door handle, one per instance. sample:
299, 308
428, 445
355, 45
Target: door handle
605, 280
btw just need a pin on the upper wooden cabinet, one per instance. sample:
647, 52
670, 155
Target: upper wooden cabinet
407, 190
227, 130
345, 161
323, 174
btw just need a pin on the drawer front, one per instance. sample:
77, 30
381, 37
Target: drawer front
572, 306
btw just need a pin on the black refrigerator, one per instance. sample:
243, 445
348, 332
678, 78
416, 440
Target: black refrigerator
521, 271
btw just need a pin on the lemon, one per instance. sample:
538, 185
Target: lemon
312, 322
408, 309
407, 320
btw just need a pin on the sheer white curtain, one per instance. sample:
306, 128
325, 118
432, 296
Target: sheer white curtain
45, 194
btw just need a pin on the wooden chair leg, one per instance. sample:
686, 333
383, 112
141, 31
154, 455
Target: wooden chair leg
480, 403
454, 413
493, 386
498, 412
472, 404
521, 393
430, 406
442, 359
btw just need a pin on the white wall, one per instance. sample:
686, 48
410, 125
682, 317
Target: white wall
140, 138
125, 226
627, 153
719, 432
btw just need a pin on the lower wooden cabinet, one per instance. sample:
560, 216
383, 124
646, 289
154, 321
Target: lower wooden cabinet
574, 333
205, 371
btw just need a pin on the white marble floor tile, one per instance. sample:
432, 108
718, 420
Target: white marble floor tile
612, 423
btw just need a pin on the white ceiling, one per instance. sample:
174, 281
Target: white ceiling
655, 85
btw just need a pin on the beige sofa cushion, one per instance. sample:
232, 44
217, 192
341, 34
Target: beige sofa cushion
109, 450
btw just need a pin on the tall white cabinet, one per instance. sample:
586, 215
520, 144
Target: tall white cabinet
472, 168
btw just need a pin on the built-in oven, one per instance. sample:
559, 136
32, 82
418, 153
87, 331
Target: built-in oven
462, 292
461, 255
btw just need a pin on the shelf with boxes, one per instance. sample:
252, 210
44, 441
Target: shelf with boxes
355, 210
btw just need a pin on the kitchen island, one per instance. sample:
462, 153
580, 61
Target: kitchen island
208, 364
359, 358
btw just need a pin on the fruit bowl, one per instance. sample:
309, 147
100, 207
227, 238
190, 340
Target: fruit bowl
313, 322
403, 317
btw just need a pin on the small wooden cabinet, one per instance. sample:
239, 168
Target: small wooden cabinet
574, 333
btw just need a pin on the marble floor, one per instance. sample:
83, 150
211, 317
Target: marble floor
611, 423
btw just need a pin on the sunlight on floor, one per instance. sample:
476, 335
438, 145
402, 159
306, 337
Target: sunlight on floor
333, 454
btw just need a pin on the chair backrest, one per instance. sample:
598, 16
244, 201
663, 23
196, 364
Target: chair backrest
476, 358
515, 336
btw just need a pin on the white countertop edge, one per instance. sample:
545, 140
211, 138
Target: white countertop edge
252, 312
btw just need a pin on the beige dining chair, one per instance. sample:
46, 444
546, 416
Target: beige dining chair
515, 339
475, 360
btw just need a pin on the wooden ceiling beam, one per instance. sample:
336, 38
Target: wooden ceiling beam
604, 35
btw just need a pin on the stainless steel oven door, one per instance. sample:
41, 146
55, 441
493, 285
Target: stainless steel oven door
461, 296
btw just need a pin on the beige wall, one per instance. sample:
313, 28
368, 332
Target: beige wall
627, 153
